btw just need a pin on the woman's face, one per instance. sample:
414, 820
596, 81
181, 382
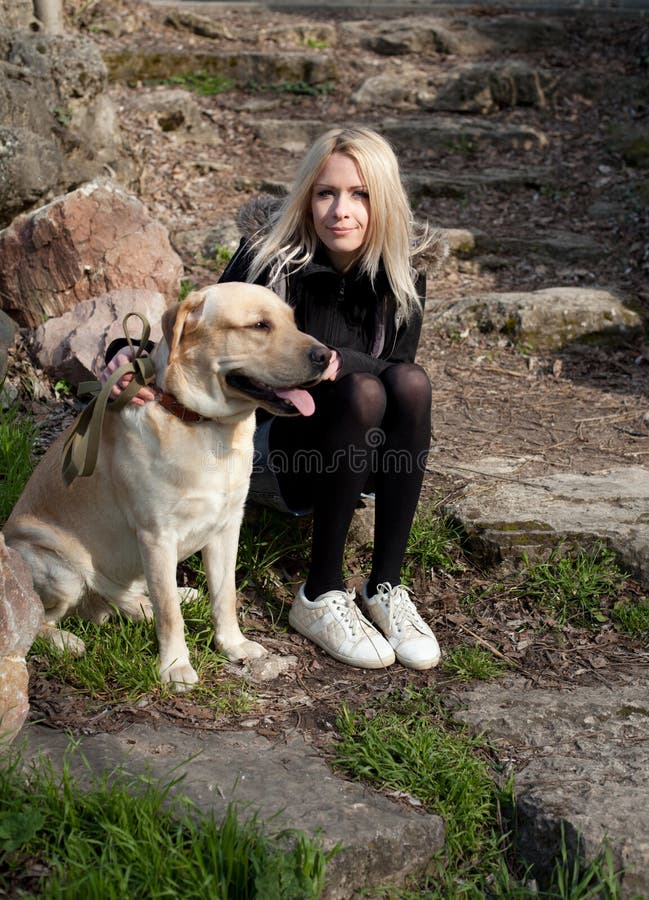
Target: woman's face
340, 206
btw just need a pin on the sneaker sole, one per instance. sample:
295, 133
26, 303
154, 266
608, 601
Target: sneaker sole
417, 665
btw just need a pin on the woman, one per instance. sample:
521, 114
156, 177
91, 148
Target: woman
338, 249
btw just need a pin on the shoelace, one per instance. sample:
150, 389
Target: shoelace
401, 609
350, 613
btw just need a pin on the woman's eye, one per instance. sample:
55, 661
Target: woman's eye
364, 194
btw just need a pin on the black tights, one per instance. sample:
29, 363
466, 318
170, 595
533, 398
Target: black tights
364, 426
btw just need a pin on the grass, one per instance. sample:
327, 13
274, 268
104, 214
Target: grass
575, 589
411, 746
218, 258
120, 663
408, 746
315, 44
133, 838
17, 440
186, 287
203, 83
632, 616
434, 543
468, 663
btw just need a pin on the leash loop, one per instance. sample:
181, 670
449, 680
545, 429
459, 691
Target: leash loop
136, 352
81, 447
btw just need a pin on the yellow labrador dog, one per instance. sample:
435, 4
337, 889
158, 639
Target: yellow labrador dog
168, 484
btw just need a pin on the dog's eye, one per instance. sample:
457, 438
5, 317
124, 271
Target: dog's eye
261, 325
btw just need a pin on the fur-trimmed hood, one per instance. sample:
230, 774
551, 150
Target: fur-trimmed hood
256, 215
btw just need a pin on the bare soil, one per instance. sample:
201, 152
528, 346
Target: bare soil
583, 409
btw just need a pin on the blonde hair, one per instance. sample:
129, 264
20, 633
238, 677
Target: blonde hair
391, 237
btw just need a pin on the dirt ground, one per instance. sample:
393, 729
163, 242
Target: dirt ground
582, 409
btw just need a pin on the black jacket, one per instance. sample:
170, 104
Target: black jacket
345, 312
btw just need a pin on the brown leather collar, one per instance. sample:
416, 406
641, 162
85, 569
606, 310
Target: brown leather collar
176, 408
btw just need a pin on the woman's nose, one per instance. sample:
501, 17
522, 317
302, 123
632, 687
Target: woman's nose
340, 208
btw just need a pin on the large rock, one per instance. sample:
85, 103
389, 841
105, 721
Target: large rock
8, 330
91, 241
391, 89
16, 13
30, 167
548, 319
73, 346
480, 87
21, 613
399, 37
69, 62
58, 124
461, 133
174, 111
484, 87
580, 763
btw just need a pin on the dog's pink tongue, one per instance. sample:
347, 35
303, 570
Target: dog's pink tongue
301, 400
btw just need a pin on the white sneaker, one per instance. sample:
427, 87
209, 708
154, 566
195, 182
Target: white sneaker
392, 610
334, 622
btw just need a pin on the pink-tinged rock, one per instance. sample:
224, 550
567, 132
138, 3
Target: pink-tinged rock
91, 241
14, 696
73, 345
21, 613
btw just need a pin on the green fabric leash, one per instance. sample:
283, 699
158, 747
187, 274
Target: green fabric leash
82, 445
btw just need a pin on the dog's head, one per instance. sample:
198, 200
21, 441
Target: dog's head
235, 346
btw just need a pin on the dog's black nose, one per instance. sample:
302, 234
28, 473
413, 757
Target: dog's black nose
320, 356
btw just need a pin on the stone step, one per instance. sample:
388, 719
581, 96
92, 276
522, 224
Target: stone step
580, 761
510, 516
287, 783
559, 245
440, 183
461, 134
242, 66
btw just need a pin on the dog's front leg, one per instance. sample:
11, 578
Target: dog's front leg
220, 558
159, 560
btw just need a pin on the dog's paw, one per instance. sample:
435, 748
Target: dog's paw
179, 676
243, 650
64, 641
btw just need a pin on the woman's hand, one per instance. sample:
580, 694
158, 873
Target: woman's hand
332, 370
144, 395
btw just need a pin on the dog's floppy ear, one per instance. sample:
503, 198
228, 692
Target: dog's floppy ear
180, 317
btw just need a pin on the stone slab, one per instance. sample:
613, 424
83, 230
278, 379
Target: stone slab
547, 319
287, 783
581, 758
506, 517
